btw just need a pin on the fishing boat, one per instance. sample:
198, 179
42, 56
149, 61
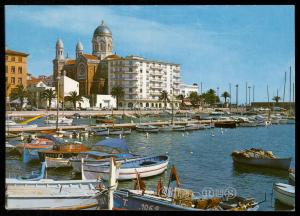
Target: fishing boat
102, 151
190, 126
285, 193
292, 178
226, 124
119, 131
47, 194
61, 120
29, 151
57, 162
171, 199
9, 148
146, 166
13, 124
261, 158
35, 176
146, 128
105, 119
125, 199
172, 127
63, 150
100, 131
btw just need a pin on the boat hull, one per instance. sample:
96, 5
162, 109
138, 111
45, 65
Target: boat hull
57, 162
125, 173
284, 193
49, 194
278, 163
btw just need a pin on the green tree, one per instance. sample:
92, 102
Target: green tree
31, 97
194, 98
164, 97
276, 99
225, 95
119, 93
181, 98
73, 97
19, 93
49, 94
210, 97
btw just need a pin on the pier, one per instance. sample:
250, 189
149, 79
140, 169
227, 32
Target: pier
123, 125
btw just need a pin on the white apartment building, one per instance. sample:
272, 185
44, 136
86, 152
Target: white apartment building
143, 81
186, 89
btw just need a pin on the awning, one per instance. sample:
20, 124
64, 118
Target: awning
114, 143
187, 103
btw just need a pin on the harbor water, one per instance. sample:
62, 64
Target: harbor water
202, 159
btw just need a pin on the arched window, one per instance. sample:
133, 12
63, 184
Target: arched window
130, 105
102, 46
147, 104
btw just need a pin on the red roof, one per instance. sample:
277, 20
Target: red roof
11, 52
88, 56
69, 62
33, 81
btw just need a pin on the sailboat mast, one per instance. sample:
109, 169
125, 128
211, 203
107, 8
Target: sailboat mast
284, 87
290, 86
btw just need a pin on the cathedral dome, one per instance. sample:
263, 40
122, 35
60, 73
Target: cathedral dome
59, 43
79, 46
102, 30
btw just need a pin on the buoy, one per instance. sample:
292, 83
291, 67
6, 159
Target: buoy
120, 136
147, 134
183, 134
106, 137
191, 152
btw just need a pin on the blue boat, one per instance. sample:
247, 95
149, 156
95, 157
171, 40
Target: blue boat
35, 176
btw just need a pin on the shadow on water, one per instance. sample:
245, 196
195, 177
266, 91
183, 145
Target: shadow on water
240, 169
281, 207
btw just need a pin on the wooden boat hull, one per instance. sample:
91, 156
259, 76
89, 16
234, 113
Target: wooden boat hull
51, 195
129, 169
278, 163
284, 193
225, 124
124, 200
292, 179
147, 129
192, 127
118, 132
106, 121
57, 162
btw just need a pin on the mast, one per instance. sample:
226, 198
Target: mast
253, 93
268, 102
290, 86
246, 95
230, 96
284, 87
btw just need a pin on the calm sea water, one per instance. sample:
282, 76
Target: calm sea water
202, 160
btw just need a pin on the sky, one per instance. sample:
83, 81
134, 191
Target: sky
218, 46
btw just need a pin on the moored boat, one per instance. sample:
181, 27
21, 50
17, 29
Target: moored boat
172, 127
146, 166
292, 178
226, 124
192, 127
61, 120
146, 128
118, 131
34, 176
285, 193
57, 162
259, 157
47, 194
63, 150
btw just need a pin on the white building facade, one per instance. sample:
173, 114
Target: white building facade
106, 101
186, 89
143, 81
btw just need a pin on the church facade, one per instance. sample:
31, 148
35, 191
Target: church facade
90, 70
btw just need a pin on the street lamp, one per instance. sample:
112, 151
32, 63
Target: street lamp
57, 102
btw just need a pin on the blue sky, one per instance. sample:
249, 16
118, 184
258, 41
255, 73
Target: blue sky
215, 45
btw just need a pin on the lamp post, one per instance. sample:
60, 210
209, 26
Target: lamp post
57, 102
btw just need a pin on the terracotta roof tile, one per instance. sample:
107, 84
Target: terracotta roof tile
33, 81
69, 62
88, 56
114, 56
12, 52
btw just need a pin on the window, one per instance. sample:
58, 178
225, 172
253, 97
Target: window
12, 70
12, 58
130, 69
12, 80
19, 59
141, 71
19, 80
20, 70
130, 90
141, 90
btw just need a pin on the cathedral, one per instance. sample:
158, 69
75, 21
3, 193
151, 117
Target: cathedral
89, 70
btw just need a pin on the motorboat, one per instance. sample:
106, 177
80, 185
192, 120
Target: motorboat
285, 193
172, 127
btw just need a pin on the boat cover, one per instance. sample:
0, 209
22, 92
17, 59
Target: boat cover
114, 143
50, 137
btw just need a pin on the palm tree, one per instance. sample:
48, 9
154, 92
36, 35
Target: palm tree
164, 97
225, 95
181, 98
20, 93
118, 92
49, 94
74, 98
276, 99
